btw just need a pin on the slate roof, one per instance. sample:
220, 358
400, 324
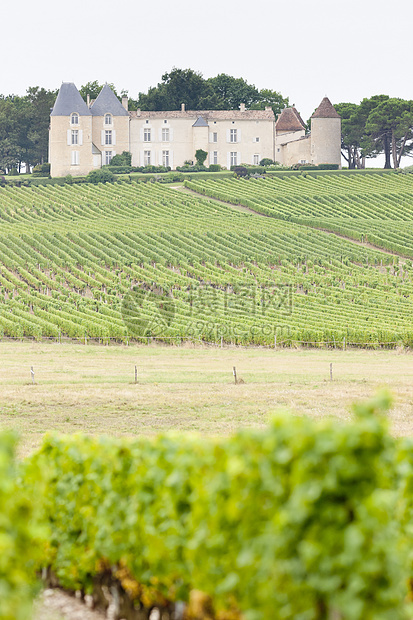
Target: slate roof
207, 115
326, 110
68, 101
200, 122
107, 103
289, 120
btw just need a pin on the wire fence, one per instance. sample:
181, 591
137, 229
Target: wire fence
222, 343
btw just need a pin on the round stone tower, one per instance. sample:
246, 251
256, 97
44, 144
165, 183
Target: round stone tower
326, 134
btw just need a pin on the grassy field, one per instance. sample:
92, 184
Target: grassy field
92, 389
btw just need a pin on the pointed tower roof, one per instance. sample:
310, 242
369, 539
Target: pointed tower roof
107, 103
68, 101
200, 122
326, 110
289, 120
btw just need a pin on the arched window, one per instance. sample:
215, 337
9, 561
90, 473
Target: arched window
108, 119
74, 118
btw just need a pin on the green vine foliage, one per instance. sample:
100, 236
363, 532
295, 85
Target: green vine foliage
21, 538
296, 521
70, 255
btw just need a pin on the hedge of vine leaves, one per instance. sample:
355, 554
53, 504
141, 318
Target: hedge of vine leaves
306, 519
22, 537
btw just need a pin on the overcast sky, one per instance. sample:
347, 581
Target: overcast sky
305, 49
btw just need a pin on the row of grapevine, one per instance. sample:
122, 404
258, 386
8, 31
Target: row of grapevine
22, 536
101, 261
304, 520
374, 208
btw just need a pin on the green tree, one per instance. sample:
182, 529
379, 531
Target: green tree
222, 92
200, 156
372, 145
24, 128
40, 101
391, 122
124, 159
352, 132
10, 152
358, 141
93, 89
270, 98
234, 91
177, 87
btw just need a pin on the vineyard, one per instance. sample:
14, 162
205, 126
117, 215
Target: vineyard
376, 208
304, 519
300, 519
132, 261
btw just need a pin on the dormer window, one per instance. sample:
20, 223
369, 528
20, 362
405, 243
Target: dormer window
108, 119
74, 118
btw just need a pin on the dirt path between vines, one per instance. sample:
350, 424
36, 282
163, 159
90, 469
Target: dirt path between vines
239, 207
58, 605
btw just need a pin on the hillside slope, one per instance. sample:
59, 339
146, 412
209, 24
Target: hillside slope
127, 261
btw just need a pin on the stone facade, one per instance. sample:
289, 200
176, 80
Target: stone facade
85, 136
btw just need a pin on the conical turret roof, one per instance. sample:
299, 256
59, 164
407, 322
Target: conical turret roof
326, 110
289, 120
200, 122
69, 100
107, 103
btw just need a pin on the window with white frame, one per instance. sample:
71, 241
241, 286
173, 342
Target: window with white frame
233, 158
108, 136
215, 136
165, 134
75, 136
233, 135
256, 160
214, 157
108, 119
74, 158
146, 158
146, 134
74, 119
165, 158
108, 157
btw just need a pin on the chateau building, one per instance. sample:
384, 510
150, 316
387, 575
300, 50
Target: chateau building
85, 136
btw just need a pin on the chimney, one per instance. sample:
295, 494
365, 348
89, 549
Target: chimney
138, 112
125, 103
88, 100
242, 107
268, 108
182, 107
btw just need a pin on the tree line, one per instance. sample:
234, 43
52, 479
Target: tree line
24, 128
375, 126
